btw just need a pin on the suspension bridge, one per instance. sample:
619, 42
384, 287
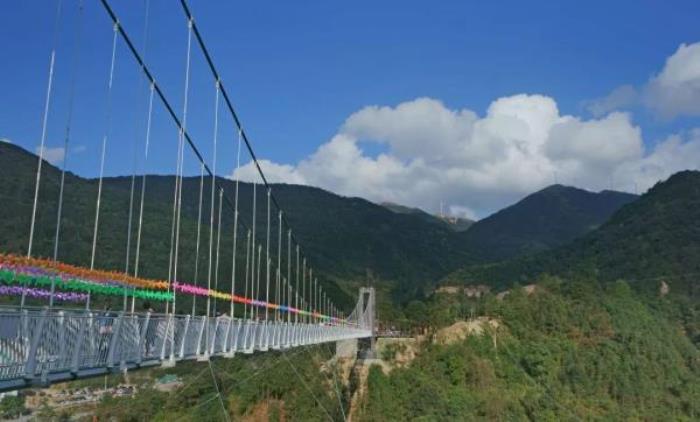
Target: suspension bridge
253, 290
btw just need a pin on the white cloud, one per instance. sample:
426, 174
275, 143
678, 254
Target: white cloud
673, 92
479, 164
52, 155
275, 173
620, 98
462, 212
676, 89
601, 143
675, 153
420, 127
5, 140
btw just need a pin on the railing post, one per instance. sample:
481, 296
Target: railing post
142, 337
113, 341
165, 336
212, 346
75, 364
202, 329
30, 367
226, 338
236, 335
246, 337
280, 333
265, 340
184, 337
62, 338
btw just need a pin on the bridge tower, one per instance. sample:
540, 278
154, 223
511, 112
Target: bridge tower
367, 306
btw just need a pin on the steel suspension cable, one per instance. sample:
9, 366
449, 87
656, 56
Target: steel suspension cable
303, 288
235, 226
143, 185
296, 303
289, 273
290, 290
284, 355
44, 123
218, 244
199, 235
213, 177
133, 174
171, 258
257, 289
168, 107
247, 266
267, 256
182, 167
69, 120
311, 295
296, 298
254, 309
218, 392
233, 264
226, 97
227, 100
102, 158
279, 265
335, 384
161, 96
171, 112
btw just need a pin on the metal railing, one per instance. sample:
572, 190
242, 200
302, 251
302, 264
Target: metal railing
42, 346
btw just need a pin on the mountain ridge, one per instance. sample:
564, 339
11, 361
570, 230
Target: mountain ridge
651, 239
548, 218
348, 239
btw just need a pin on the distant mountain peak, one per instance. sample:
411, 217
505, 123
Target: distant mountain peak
550, 217
457, 224
648, 241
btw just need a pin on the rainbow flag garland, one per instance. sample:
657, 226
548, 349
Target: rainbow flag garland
10, 277
31, 276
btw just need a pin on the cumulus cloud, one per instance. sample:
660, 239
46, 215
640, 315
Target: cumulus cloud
620, 98
676, 89
599, 143
54, 156
275, 173
673, 92
476, 165
5, 140
462, 212
675, 153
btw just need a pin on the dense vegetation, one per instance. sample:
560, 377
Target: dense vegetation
543, 220
575, 350
458, 224
12, 407
344, 238
583, 345
653, 239
270, 386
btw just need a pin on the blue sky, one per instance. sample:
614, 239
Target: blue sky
297, 71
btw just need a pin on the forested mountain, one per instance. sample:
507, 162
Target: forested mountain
581, 346
458, 224
653, 239
344, 238
545, 219
570, 350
